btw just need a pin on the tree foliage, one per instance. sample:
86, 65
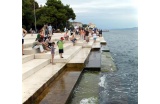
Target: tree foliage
54, 12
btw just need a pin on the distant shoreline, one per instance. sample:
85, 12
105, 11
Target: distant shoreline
133, 28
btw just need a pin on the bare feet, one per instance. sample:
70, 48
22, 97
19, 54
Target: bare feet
53, 63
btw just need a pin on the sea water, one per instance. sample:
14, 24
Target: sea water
118, 87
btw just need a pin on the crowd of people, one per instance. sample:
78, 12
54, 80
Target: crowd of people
43, 40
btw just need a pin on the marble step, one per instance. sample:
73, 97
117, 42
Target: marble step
80, 42
61, 89
102, 40
30, 50
48, 54
37, 82
26, 58
81, 56
68, 54
98, 38
88, 45
29, 42
96, 45
32, 66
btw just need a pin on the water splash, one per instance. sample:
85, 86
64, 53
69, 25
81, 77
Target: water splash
102, 81
91, 100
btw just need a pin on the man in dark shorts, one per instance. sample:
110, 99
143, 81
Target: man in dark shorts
60, 46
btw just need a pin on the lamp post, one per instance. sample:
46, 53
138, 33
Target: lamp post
35, 18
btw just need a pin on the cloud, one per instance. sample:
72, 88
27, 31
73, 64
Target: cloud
104, 13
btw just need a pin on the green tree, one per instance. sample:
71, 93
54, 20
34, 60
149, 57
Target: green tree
28, 13
54, 13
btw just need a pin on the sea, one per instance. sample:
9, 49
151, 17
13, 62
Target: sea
118, 87
121, 86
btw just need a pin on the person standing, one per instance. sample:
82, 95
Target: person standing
82, 34
87, 35
52, 51
94, 36
24, 32
60, 46
50, 30
31, 31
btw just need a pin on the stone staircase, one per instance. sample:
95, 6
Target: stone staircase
37, 70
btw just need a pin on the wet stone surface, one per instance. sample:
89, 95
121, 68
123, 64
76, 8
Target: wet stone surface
60, 89
107, 62
94, 60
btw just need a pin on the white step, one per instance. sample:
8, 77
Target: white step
97, 40
26, 58
80, 42
32, 66
30, 50
88, 45
28, 43
39, 79
68, 54
96, 45
102, 40
48, 54
81, 56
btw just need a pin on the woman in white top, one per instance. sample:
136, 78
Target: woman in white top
24, 32
94, 36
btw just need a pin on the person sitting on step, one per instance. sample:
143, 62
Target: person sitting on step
38, 45
66, 36
73, 39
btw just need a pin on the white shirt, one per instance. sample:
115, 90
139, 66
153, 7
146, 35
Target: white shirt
94, 35
49, 28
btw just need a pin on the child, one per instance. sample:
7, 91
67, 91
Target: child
52, 50
60, 46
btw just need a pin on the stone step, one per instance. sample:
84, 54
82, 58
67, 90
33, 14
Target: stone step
60, 89
102, 40
28, 39
26, 58
30, 50
81, 56
28, 43
80, 42
32, 66
29, 36
68, 54
88, 45
96, 45
48, 54
37, 82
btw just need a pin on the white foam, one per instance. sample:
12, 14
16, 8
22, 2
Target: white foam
91, 100
102, 82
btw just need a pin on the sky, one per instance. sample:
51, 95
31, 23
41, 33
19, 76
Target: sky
106, 14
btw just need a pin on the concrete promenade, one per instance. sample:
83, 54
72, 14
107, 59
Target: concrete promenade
37, 70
